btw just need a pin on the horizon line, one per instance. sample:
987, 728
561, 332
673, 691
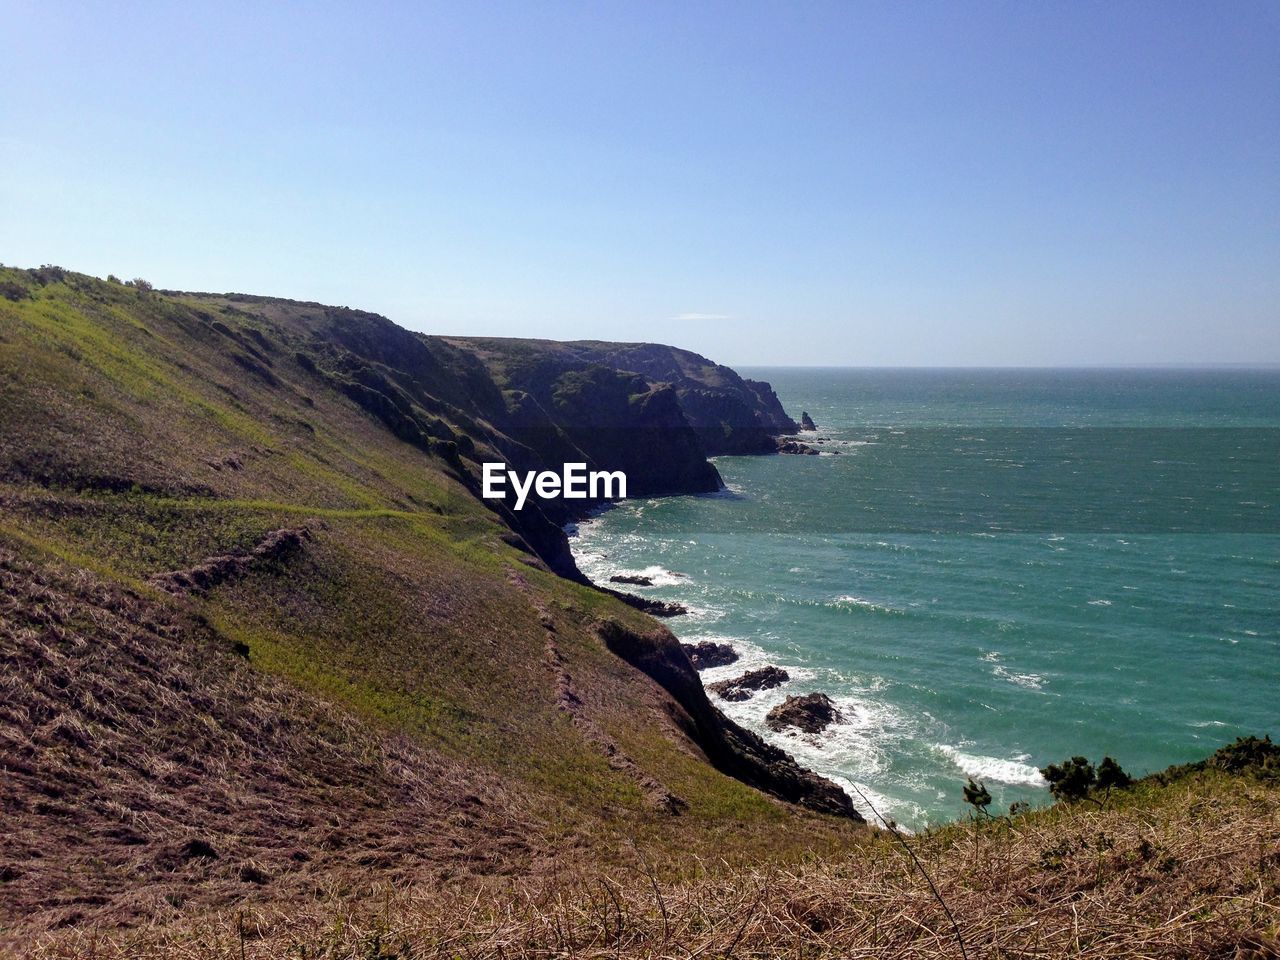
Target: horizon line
1125, 365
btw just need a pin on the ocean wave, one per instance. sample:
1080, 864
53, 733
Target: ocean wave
698, 613
662, 577
886, 809
850, 602
843, 444
855, 751
1012, 772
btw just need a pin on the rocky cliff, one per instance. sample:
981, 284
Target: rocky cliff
729, 414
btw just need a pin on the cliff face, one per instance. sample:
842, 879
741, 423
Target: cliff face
728, 413
442, 397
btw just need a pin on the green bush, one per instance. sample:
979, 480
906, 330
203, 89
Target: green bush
1110, 775
977, 796
1249, 755
1070, 780
1073, 779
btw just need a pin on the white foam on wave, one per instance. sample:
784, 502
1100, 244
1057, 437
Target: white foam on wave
659, 575
1032, 681
1012, 772
699, 614
1099, 603
850, 602
855, 752
886, 809
847, 444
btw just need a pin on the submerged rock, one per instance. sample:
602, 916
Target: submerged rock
706, 654
795, 446
812, 713
745, 686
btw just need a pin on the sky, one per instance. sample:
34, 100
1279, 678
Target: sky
855, 183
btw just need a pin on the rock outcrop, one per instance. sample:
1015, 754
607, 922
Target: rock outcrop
730, 748
727, 412
634, 579
806, 423
706, 654
744, 687
812, 713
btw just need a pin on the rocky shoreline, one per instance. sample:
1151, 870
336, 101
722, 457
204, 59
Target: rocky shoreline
809, 713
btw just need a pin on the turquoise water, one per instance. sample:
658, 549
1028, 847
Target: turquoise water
998, 570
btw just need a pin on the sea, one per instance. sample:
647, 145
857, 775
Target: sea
988, 571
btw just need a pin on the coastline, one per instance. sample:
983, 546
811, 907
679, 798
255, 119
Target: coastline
966, 653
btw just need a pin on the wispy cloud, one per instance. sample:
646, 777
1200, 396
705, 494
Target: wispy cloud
702, 316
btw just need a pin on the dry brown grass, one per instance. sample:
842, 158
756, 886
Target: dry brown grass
1187, 870
148, 771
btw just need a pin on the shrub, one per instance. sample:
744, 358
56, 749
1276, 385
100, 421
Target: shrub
47, 274
12, 290
977, 796
1071, 779
1249, 755
1111, 775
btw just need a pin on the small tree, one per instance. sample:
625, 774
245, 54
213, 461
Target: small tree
977, 796
1111, 775
1071, 779
143, 285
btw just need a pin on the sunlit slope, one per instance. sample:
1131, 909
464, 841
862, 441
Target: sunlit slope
187, 472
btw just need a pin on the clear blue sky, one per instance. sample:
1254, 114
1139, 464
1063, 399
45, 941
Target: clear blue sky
848, 183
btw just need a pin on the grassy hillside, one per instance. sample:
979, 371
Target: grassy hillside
432, 665
276, 682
